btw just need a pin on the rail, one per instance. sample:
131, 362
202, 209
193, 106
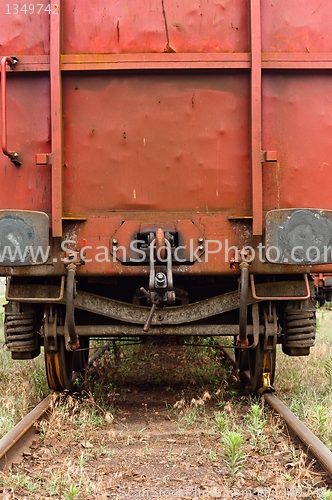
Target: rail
22, 434
312, 443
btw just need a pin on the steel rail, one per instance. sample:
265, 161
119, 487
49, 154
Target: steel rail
21, 435
312, 443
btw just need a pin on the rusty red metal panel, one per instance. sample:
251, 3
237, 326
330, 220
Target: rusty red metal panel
293, 26
156, 26
28, 186
297, 117
156, 142
23, 31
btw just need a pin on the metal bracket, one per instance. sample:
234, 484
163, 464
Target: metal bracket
282, 297
39, 300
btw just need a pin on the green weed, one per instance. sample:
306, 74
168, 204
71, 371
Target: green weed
320, 424
256, 423
72, 492
222, 421
233, 453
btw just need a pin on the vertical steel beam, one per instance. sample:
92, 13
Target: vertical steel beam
256, 116
56, 121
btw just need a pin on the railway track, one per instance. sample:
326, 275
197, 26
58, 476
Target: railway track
24, 433
310, 441
19, 439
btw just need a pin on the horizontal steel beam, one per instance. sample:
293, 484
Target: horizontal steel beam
239, 60
175, 315
137, 331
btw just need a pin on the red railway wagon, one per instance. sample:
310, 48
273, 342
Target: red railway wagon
158, 175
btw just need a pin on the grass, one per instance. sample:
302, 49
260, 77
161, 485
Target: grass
28, 376
304, 383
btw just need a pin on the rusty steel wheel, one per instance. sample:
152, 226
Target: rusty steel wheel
59, 367
260, 362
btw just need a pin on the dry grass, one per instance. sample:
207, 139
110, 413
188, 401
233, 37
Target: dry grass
22, 386
304, 384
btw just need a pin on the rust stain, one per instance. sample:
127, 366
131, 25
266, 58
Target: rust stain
118, 30
168, 46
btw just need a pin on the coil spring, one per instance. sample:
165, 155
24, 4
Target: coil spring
300, 328
19, 332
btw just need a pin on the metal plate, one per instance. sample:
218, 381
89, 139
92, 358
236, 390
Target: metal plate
299, 236
24, 238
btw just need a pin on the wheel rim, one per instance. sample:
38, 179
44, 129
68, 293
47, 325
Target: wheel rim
261, 362
59, 367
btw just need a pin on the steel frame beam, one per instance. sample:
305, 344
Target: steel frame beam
175, 315
128, 330
256, 117
56, 123
118, 62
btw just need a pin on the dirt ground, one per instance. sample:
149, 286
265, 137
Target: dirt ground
161, 422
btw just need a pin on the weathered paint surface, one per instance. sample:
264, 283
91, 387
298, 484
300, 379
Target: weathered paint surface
156, 26
22, 33
163, 142
298, 124
293, 26
28, 119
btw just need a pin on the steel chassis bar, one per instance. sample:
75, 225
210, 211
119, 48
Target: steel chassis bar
312, 443
137, 331
239, 60
176, 315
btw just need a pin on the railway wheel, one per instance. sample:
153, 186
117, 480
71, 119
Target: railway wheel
261, 362
59, 367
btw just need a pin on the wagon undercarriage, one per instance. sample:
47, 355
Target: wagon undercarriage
39, 314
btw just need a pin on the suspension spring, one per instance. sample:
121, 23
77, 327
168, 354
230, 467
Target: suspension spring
19, 332
300, 328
